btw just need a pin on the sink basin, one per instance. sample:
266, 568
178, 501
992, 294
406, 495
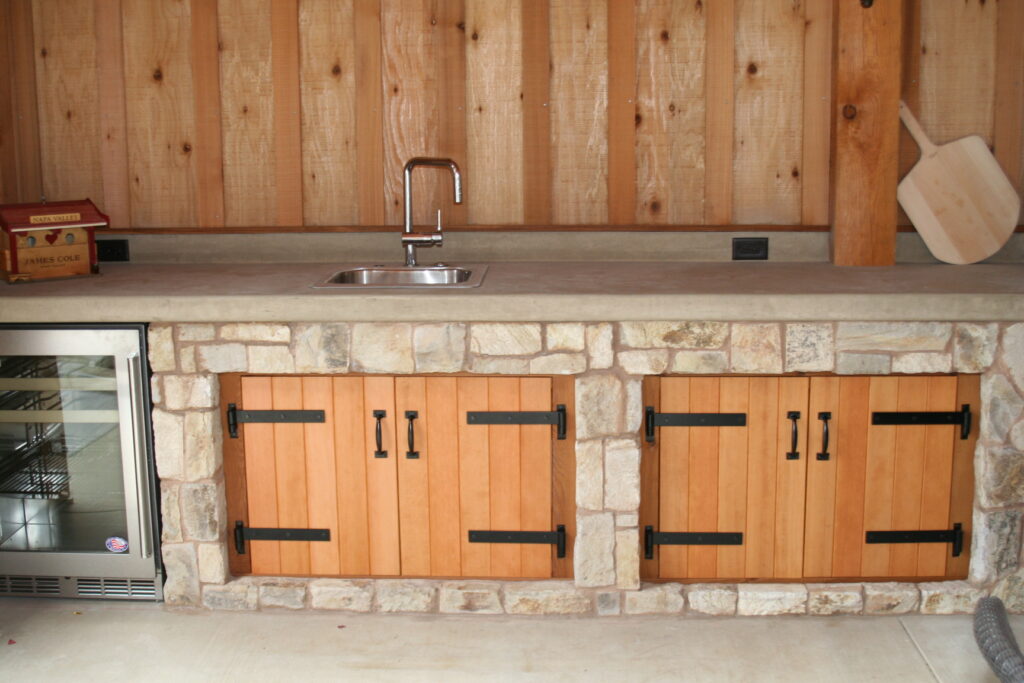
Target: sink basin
407, 277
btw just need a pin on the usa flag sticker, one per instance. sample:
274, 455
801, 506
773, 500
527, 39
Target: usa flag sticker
116, 544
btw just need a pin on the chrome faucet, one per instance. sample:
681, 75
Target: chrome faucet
411, 239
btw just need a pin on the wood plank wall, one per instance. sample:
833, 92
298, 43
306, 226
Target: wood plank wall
299, 114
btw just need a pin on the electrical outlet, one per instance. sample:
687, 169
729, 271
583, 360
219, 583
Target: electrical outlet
112, 250
749, 248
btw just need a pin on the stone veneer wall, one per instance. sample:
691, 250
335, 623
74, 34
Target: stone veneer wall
608, 360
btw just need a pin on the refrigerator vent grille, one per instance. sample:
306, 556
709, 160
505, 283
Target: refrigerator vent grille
29, 585
116, 588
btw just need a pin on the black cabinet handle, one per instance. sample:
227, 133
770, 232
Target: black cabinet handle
412, 453
824, 417
380, 452
794, 454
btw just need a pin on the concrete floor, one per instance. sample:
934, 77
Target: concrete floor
102, 641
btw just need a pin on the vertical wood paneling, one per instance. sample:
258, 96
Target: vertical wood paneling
504, 449
865, 154
25, 107
67, 88
474, 477
290, 467
702, 494
207, 148
351, 453
284, 38
720, 112
622, 112
670, 112
8, 141
937, 480
910, 87
248, 108
958, 61
674, 480
791, 481
817, 112
579, 119
424, 103
413, 478
1007, 136
880, 469
535, 474
762, 431
495, 101
769, 109
732, 476
321, 475
161, 118
537, 169
852, 424
369, 112
330, 178
113, 126
443, 465
261, 475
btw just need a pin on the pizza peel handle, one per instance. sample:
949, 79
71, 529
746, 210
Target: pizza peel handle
958, 197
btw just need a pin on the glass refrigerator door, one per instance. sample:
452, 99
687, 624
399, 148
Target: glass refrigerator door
74, 488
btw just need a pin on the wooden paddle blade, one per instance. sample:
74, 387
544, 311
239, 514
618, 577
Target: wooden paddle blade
960, 201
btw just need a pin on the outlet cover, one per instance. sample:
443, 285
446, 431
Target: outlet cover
749, 248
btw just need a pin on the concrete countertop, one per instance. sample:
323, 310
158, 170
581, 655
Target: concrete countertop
546, 291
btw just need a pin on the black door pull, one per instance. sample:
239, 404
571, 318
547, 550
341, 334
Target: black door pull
380, 452
794, 454
824, 417
412, 453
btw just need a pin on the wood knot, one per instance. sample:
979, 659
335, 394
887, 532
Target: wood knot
245, 108
751, 68
43, 53
637, 120
849, 112
336, 70
68, 114
672, 107
655, 206
158, 75
186, 148
664, 36
796, 172
461, 26
475, 36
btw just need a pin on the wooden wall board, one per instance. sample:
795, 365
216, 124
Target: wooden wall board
248, 111
68, 94
369, 111
207, 149
769, 111
330, 179
670, 112
536, 79
817, 112
579, 119
622, 112
1007, 134
720, 109
910, 88
8, 139
24, 104
285, 60
113, 124
161, 118
494, 111
865, 153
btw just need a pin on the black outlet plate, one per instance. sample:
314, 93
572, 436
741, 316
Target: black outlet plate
749, 248
112, 250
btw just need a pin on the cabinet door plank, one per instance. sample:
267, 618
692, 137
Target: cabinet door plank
909, 475
937, 480
350, 455
321, 475
852, 426
761, 470
791, 480
821, 476
261, 475
413, 490
442, 453
881, 467
505, 476
290, 458
732, 476
702, 495
961, 504
535, 449
474, 476
382, 477
674, 483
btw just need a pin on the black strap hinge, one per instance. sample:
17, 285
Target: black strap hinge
960, 417
954, 536
654, 419
244, 533
653, 538
555, 417
555, 538
236, 417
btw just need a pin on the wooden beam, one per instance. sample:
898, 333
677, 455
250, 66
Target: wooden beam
865, 141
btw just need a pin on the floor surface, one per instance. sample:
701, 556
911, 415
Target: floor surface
78, 640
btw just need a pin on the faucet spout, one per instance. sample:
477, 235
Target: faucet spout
411, 239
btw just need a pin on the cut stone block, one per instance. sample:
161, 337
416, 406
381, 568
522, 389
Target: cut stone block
439, 348
565, 337
949, 597
283, 594
594, 555
713, 599
891, 598
810, 347
673, 335
256, 332
756, 348
355, 595
382, 347
546, 597
505, 339
236, 596
665, 598
181, 566
475, 598
405, 596
771, 598
834, 598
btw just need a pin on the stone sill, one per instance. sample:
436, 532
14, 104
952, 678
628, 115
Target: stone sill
532, 292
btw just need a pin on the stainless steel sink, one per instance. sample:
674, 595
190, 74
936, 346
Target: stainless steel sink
414, 277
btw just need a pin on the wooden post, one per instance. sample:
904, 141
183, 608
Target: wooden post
865, 141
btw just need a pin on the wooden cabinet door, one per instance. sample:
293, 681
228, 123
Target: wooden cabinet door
727, 479
402, 505
906, 477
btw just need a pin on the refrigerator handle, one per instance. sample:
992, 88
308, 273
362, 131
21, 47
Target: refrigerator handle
141, 463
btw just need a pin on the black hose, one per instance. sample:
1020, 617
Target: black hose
996, 641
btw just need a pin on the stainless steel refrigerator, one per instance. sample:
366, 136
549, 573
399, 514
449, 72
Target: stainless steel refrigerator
77, 483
